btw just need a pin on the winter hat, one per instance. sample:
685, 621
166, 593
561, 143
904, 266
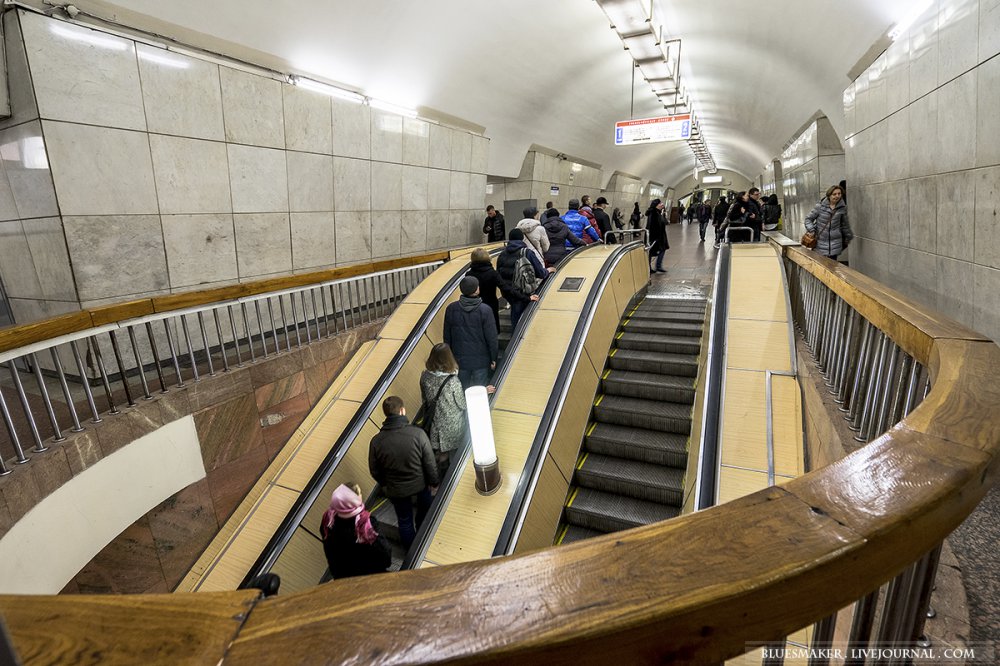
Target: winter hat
515, 234
468, 286
600, 201
530, 212
550, 213
574, 204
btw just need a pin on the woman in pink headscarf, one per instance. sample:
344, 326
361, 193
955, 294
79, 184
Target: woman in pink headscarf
351, 541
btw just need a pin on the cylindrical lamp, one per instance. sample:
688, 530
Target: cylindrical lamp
484, 450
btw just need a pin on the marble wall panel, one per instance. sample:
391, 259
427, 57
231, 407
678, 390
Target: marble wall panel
957, 51
438, 188
898, 213
437, 229
352, 184
480, 154
48, 253
227, 431
263, 243
308, 118
310, 182
877, 90
879, 213
387, 186
386, 234
416, 141
100, 171
955, 298
477, 191
116, 255
986, 301
897, 157
956, 124
351, 129
924, 52
923, 128
258, 178
439, 152
313, 240
26, 164
923, 214
413, 230
458, 228
956, 223
192, 176
354, 236
988, 112
25, 310
8, 209
22, 95
182, 95
252, 108
987, 250
182, 526
461, 151
82, 75
387, 136
16, 266
989, 29
415, 188
459, 190
200, 248
897, 74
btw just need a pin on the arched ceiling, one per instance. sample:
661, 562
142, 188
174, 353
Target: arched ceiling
552, 72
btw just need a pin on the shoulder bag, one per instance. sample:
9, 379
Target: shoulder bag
810, 238
425, 415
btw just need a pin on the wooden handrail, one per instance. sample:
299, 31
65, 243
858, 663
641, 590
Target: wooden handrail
12, 337
696, 588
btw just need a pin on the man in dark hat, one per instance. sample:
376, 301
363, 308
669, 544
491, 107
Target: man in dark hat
471, 332
603, 221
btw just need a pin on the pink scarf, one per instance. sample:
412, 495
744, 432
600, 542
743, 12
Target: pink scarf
345, 503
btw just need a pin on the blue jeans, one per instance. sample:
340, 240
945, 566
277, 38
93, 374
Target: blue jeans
474, 376
661, 248
516, 310
701, 229
404, 514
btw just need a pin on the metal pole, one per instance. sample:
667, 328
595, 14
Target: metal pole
40, 380
22, 396
222, 340
85, 382
187, 341
156, 357
66, 392
138, 364
173, 353
14, 439
204, 342
121, 368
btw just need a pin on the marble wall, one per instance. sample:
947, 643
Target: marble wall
540, 172
142, 171
923, 163
812, 163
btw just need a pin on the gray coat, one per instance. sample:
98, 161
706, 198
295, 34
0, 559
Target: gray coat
832, 236
448, 425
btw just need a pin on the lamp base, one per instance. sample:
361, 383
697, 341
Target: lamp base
487, 477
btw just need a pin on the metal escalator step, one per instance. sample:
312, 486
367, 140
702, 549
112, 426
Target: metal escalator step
385, 515
604, 512
673, 305
667, 315
668, 388
682, 365
656, 483
668, 344
661, 448
661, 327
649, 414
574, 533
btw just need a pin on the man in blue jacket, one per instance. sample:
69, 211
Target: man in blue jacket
471, 332
579, 224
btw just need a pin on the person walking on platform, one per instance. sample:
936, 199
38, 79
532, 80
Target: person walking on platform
579, 224
704, 214
755, 216
443, 404
351, 541
635, 219
588, 212
603, 221
657, 226
560, 238
719, 218
471, 332
482, 269
828, 220
736, 216
400, 458
772, 213
519, 281
493, 226
534, 234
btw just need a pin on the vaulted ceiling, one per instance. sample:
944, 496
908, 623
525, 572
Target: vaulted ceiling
552, 72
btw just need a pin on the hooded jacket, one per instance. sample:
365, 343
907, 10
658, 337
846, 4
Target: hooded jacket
400, 458
580, 226
833, 231
535, 236
489, 282
471, 332
506, 263
588, 213
560, 239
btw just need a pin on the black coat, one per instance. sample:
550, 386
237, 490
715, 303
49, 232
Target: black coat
558, 234
603, 221
495, 228
400, 458
506, 263
471, 332
346, 557
719, 214
656, 224
489, 282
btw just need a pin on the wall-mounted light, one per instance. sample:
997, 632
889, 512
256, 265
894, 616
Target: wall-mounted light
392, 108
484, 450
166, 59
325, 89
712, 179
91, 37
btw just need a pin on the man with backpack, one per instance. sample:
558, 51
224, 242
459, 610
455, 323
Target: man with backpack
520, 275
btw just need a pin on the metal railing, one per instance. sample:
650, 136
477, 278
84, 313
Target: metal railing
103, 369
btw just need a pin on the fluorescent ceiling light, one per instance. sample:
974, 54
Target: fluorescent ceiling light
911, 17
332, 91
164, 58
712, 179
392, 108
644, 45
90, 37
627, 16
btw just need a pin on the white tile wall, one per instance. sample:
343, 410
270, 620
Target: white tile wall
201, 249
957, 53
351, 129
182, 95
354, 236
313, 240
252, 106
387, 186
387, 136
263, 244
116, 255
258, 177
22, 94
308, 118
989, 29
416, 141
386, 234
310, 182
352, 184
192, 175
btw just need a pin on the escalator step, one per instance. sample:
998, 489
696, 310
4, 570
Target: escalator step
388, 525
604, 512
664, 485
668, 388
574, 533
661, 328
683, 365
667, 315
650, 446
668, 344
650, 414
685, 305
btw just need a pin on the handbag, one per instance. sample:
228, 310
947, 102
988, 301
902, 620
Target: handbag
810, 238
425, 415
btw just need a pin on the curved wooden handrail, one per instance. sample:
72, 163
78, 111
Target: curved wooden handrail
696, 588
19, 335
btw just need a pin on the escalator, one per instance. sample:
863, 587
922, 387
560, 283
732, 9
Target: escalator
631, 467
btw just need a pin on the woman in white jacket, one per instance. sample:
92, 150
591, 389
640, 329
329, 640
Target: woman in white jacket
534, 234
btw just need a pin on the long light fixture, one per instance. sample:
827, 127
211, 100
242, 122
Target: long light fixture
326, 89
484, 450
392, 108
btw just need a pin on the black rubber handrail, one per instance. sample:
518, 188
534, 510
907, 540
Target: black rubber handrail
422, 541
548, 422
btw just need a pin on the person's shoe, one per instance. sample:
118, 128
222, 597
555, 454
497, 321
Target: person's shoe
717, 245
661, 270
702, 240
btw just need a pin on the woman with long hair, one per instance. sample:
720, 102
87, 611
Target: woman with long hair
443, 405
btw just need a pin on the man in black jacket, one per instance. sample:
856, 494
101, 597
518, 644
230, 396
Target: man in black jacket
493, 225
401, 460
755, 216
719, 217
471, 332
603, 221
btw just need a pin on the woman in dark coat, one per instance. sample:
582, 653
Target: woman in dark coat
635, 219
351, 541
828, 220
489, 280
558, 234
657, 227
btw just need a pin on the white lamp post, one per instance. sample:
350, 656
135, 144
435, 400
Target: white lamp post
484, 450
